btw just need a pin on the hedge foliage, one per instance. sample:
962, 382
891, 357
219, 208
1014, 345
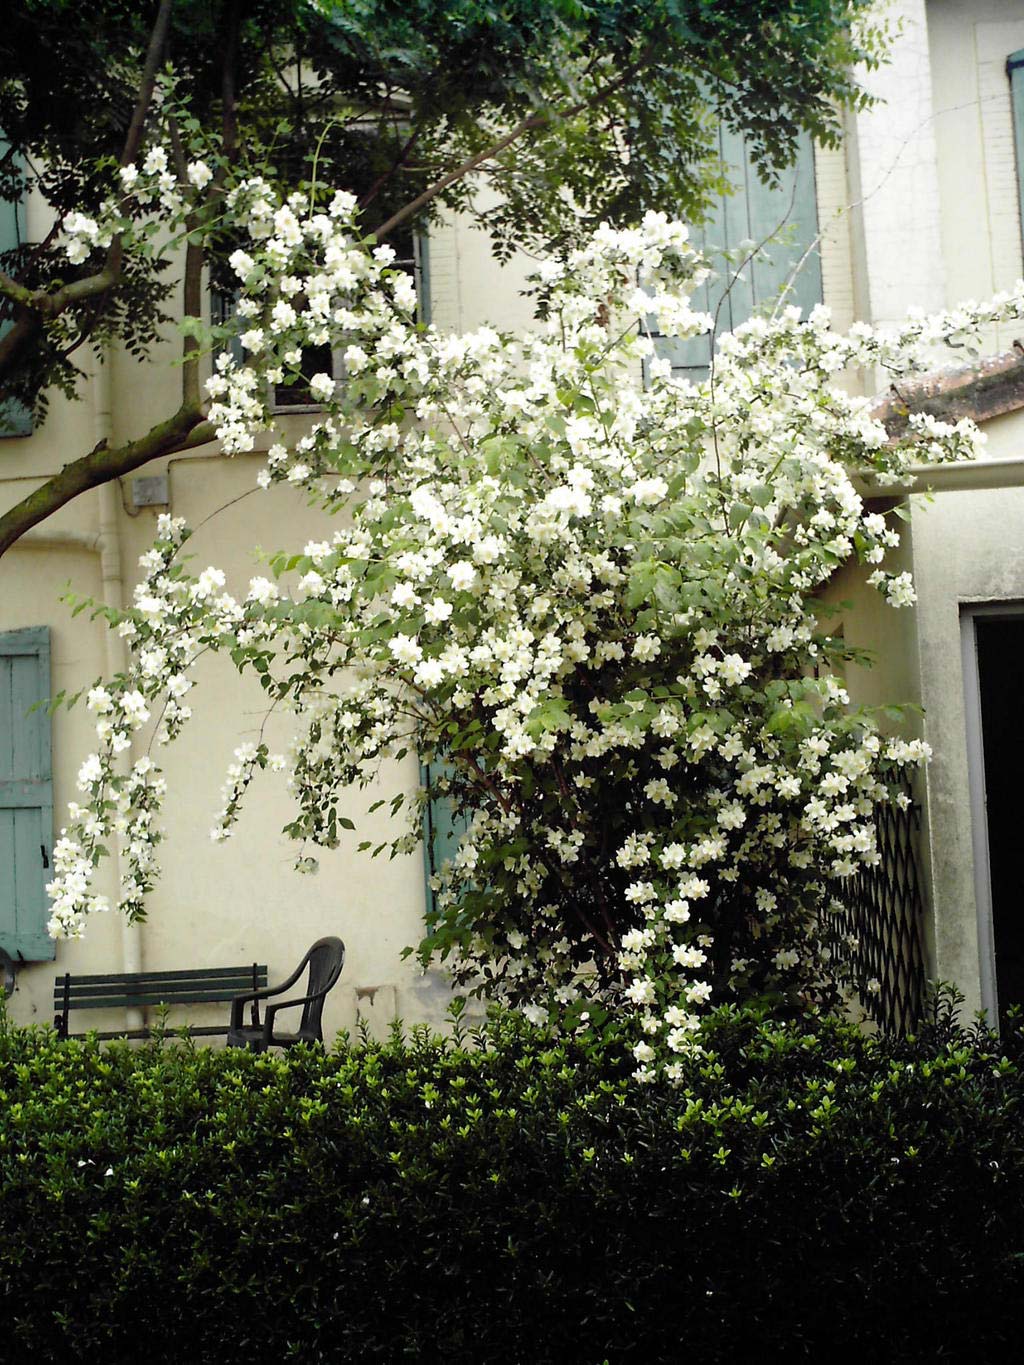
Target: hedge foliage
513, 1198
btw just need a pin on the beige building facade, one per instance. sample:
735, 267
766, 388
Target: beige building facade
920, 207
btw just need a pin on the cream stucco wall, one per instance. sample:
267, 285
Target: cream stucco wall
968, 549
979, 215
917, 208
968, 545
238, 901
215, 904
468, 287
893, 179
940, 223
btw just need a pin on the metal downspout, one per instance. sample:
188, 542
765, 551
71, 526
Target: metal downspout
116, 645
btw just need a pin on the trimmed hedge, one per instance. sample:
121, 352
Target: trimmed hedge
810, 1190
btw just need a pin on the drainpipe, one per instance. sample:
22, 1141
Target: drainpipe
946, 478
41, 538
116, 645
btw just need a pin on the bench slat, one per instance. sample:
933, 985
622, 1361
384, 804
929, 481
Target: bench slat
119, 978
148, 1033
111, 1002
223, 984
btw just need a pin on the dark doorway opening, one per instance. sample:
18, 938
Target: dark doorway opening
1000, 646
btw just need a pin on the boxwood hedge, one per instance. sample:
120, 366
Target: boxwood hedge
509, 1197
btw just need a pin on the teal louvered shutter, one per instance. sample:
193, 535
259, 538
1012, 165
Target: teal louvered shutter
1015, 71
222, 311
15, 417
441, 834
754, 212
26, 794
421, 257
692, 357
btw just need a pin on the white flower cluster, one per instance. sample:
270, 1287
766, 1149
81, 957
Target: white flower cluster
143, 190
248, 758
119, 803
84, 235
588, 606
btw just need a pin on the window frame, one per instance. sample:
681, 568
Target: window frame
221, 306
15, 416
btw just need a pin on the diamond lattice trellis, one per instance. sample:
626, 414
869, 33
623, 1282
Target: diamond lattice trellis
875, 923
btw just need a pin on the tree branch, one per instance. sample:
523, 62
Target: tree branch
154, 55
177, 151
34, 308
185, 430
229, 94
531, 123
49, 305
526, 125
397, 163
192, 300
14, 291
41, 303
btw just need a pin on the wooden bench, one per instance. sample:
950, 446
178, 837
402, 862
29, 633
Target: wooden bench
142, 990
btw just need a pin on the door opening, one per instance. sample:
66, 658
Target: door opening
993, 639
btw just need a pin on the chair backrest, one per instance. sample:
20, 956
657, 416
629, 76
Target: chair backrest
326, 959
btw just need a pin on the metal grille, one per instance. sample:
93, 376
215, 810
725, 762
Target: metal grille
875, 924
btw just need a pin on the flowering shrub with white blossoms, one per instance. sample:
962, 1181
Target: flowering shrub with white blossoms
585, 601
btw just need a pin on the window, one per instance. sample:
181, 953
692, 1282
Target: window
26, 794
15, 416
754, 212
294, 394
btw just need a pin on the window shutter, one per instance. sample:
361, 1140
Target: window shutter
222, 310
441, 834
15, 417
793, 204
1015, 71
736, 213
692, 357
754, 212
26, 794
421, 258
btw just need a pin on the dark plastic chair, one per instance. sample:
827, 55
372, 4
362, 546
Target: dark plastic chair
325, 960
